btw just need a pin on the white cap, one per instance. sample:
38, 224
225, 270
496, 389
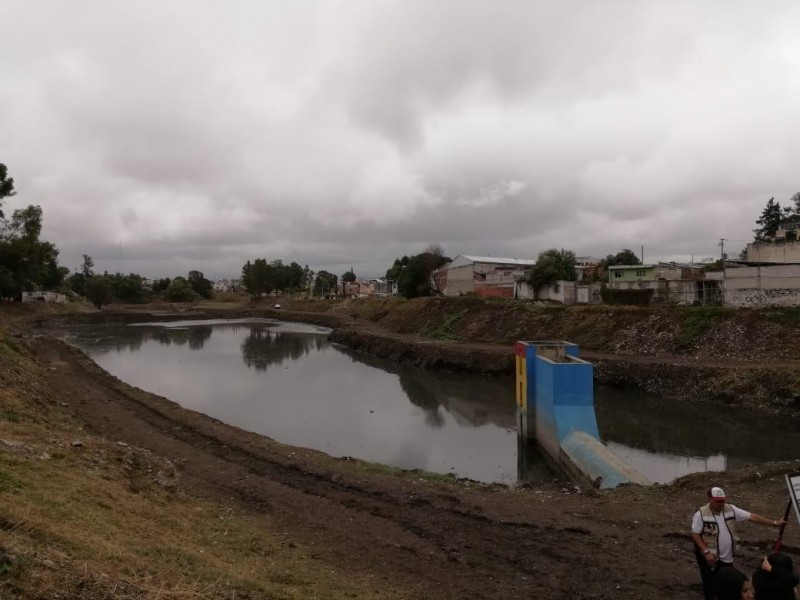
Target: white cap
717, 493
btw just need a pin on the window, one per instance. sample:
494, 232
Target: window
617, 274
641, 273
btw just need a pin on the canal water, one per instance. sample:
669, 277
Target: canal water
288, 382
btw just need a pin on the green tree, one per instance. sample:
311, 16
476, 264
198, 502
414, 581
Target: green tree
160, 285
623, 257
394, 272
349, 276
31, 263
771, 217
257, 278
98, 290
6, 186
179, 290
128, 288
201, 286
551, 266
77, 283
415, 278
325, 284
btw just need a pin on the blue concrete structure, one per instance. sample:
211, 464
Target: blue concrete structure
555, 398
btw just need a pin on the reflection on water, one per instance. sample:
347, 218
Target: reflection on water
286, 381
263, 347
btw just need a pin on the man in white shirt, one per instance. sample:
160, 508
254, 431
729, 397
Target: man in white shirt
714, 535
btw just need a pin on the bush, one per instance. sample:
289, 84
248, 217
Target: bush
179, 290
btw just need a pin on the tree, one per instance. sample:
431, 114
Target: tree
98, 290
551, 266
179, 290
30, 262
6, 186
87, 268
623, 257
393, 273
435, 249
127, 288
794, 202
414, 278
349, 276
257, 278
202, 286
771, 217
160, 285
325, 284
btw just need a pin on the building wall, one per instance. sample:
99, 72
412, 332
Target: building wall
494, 291
776, 252
674, 291
773, 285
460, 280
566, 292
48, 297
645, 273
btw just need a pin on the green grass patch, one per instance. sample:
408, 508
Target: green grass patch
369, 468
785, 316
9, 346
696, 321
446, 329
8, 483
10, 415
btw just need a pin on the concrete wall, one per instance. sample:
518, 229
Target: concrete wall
566, 292
776, 252
773, 285
588, 294
460, 280
48, 297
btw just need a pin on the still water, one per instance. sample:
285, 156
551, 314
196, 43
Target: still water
286, 381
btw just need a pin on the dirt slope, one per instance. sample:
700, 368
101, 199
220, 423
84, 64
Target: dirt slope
443, 540
448, 539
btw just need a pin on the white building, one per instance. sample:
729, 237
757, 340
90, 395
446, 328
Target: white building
481, 275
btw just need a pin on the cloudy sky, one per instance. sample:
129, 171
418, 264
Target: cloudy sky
165, 136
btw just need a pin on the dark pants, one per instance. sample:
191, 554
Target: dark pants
707, 574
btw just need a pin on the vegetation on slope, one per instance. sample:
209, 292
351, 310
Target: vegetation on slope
87, 517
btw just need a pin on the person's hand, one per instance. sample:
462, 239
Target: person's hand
711, 559
779, 522
765, 565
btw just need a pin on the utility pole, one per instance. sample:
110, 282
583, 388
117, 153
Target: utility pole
722, 260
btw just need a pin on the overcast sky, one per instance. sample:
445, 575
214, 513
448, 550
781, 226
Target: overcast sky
165, 136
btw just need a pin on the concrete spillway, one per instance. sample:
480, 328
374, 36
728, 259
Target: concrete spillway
555, 406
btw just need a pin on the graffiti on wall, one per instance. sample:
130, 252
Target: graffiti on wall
754, 296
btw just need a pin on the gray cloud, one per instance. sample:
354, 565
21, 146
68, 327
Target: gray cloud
162, 138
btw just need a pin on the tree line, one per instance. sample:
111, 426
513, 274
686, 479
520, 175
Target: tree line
26, 262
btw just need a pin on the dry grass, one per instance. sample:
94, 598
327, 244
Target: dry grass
83, 517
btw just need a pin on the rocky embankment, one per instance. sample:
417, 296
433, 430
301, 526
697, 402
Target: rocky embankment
702, 353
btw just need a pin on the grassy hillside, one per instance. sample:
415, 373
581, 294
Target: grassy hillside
702, 332
87, 517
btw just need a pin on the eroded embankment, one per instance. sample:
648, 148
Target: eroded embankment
699, 353
703, 353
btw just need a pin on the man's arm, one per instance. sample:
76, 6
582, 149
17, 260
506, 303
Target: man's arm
764, 521
698, 541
